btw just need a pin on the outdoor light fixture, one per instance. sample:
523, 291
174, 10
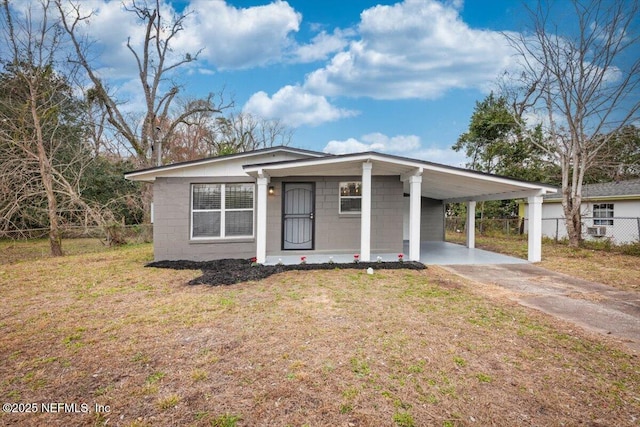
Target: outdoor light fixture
272, 190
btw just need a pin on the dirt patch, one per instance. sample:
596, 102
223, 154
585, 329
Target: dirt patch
231, 271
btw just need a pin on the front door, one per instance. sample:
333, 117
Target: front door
298, 204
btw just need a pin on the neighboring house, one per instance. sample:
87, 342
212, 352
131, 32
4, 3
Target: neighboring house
284, 200
609, 210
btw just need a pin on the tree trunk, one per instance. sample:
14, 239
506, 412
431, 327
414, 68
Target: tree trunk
574, 228
55, 237
573, 218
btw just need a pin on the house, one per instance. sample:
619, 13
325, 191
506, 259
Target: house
609, 210
283, 200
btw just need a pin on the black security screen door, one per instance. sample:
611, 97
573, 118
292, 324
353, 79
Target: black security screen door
298, 205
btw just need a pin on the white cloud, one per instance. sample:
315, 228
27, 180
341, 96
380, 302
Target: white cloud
403, 145
393, 144
374, 142
241, 37
295, 107
347, 146
413, 49
228, 37
323, 45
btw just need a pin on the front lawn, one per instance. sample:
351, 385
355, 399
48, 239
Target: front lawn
336, 347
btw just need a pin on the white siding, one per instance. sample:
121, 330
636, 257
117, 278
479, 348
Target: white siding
624, 230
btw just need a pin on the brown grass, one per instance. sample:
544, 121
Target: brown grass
302, 348
608, 267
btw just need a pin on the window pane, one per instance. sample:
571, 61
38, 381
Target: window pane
206, 224
239, 196
603, 210
351, 204
206, 196
239, 223
350, 189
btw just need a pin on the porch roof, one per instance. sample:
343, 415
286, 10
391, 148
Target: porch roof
440, 182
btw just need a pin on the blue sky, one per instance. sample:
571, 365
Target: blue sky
349, 75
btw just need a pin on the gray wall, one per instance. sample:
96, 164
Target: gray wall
171, 203
432, 220
341, 232
334, 231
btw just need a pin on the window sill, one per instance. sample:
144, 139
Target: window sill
222, 241
350, 215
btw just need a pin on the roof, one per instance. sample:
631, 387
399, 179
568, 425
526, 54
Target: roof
629, 189
441, 182
149, 174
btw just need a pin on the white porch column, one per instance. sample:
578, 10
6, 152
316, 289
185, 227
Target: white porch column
535, 228
415, 192
261, 223
365, 215
471, 224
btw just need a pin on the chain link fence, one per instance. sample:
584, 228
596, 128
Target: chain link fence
112, 234
616, 230
502, 226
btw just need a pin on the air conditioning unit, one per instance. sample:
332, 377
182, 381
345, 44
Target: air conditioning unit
597, 231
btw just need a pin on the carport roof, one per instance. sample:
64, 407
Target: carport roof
440, 182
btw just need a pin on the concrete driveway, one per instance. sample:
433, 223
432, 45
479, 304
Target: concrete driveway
591, 305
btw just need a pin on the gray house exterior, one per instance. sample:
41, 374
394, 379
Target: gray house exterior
285, 201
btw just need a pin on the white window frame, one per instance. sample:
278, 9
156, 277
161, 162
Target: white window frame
603, 208
223, 210
341, 197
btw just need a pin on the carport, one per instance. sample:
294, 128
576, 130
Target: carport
421, 180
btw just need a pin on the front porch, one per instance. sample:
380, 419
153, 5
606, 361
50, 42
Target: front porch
417, 180
431, 253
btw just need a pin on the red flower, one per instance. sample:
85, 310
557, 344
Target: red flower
400, 256
356, 256
254, 259
303, 259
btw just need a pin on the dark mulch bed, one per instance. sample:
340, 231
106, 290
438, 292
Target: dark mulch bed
230, 271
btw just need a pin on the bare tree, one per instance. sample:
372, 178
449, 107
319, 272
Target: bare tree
205, 134
156, 64
585, 86
40, 133
245, 132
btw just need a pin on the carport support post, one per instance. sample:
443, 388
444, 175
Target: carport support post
415, 193
261, 226
471, 224
535, 228
365, 214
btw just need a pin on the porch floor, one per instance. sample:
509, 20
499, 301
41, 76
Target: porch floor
441, 253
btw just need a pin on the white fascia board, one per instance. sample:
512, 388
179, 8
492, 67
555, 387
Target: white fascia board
149, 175
254, 169
409, 163
518, 194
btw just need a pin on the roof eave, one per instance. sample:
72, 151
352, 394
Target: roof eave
148, 174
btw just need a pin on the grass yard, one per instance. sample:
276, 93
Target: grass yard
603, 266
397, 348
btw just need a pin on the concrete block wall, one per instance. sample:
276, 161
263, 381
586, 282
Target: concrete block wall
432, 220
333, 232
341, 232
172, 221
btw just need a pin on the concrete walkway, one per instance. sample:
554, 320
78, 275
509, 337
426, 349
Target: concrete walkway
432, 253
591, 305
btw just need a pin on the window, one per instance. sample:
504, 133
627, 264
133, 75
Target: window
221, 210
602, 211
350, 197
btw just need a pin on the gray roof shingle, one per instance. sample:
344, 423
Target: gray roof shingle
605, 189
